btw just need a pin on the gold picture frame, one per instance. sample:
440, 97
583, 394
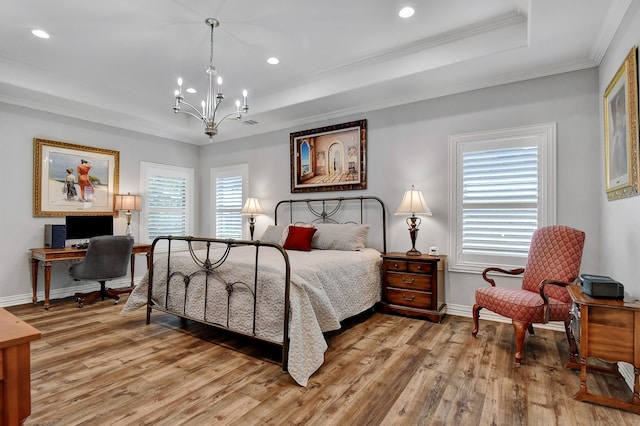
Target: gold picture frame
70, 179
621, 131
331, 158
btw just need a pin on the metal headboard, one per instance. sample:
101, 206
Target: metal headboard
324, 210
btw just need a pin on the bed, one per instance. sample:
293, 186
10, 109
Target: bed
296, 282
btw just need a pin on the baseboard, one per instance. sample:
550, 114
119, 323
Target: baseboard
60, 293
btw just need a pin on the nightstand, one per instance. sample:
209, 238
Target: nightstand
413, 285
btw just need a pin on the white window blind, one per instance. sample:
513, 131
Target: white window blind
168, 199
229, 189
502, 190
228, 206
499, 200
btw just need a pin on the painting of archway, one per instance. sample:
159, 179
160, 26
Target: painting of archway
330, 158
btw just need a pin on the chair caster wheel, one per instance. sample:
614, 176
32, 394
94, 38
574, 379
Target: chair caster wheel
80, 305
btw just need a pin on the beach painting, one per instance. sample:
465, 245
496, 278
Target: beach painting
73, 179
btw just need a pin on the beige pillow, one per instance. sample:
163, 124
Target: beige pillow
345, 237
274, 234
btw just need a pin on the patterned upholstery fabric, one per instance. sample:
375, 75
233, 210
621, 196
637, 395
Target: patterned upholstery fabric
521, 305
555, 253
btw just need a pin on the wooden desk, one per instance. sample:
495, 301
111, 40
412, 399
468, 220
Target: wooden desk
49, 255
608, 329
15, 368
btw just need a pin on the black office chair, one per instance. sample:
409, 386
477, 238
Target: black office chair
107, 257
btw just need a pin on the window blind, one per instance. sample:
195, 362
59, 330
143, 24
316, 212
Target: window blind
167, 203
228, 201
499, 200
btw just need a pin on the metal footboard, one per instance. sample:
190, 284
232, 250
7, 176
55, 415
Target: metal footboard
207, 266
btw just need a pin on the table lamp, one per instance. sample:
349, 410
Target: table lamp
413, 204
129, 203
252, 209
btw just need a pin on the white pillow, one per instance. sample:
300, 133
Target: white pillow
346, 237
274, 234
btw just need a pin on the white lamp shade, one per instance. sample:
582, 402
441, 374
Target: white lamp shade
251, 207
413, 204
128, 202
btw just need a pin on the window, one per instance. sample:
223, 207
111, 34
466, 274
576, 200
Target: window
228, 185
168, 198
502, 189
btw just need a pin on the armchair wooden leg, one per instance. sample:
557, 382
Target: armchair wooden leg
476, 317
520, 329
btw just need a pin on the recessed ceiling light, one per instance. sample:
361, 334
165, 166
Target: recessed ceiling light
273, 60
406, 12
191, 90
40, 33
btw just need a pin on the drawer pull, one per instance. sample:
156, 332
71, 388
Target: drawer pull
395, 266
408, 299
408, 282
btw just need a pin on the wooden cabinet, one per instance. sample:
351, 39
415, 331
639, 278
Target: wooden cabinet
413, 285
607, 329
15, 368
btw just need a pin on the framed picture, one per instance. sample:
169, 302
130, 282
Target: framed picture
73, 179
621, 131
329, 158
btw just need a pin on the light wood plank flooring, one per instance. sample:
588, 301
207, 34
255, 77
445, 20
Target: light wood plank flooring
94, 366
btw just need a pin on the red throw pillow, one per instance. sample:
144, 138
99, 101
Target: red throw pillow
299, 238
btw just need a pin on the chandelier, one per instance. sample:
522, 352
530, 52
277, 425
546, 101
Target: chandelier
214, 99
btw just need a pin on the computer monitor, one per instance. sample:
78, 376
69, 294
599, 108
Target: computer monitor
85, 227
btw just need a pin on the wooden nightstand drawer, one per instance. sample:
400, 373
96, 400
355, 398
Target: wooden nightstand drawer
420, 267
415, 299
395, 265
409, 281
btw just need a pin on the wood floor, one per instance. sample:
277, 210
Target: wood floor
94, 366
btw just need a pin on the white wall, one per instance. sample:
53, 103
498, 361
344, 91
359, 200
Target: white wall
19, 229
620, 219
409, 145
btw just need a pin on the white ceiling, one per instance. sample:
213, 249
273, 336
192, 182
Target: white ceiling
116, 62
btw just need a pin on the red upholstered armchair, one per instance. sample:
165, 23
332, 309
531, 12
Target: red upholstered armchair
554, 258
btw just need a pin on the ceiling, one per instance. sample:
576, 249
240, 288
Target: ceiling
117, 62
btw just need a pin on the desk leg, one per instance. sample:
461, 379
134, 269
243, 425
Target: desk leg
34, 279
47, 283
582, 392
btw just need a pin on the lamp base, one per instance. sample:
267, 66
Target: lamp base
413, 252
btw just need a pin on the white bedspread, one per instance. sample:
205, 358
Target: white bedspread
327, 286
